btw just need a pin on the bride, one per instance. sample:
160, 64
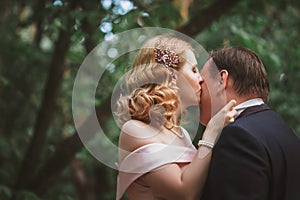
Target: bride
157, 159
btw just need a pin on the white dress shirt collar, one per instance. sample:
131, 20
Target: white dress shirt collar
249, 103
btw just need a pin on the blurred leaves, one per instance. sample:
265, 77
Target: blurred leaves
28, 33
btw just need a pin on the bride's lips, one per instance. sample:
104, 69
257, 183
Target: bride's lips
199, 91
199, 95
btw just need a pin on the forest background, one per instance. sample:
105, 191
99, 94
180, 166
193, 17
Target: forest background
43, 44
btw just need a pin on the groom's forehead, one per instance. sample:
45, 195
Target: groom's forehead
210, 70
208, 65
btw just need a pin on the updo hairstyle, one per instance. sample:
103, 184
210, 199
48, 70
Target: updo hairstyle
153, 95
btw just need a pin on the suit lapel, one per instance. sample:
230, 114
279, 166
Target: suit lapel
253, 109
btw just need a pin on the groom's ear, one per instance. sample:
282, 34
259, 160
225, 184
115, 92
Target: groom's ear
224, 78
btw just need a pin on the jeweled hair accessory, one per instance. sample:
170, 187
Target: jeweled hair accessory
164, 55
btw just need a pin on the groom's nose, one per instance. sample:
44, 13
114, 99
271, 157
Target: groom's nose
200, 79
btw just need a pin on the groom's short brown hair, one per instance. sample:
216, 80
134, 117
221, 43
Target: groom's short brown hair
246, 70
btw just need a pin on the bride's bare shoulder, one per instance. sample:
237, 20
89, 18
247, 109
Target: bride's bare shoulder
136, 133
133, 126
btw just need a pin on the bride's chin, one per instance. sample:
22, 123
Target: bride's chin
195, 103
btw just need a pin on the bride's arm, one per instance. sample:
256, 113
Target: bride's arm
173, 182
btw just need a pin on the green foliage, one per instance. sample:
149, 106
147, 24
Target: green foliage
5, 192
26, 195
29, 31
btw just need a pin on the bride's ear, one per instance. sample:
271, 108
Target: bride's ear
223, 78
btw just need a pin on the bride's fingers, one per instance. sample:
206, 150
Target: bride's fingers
229, 106
231, 115
231, 120
227, 114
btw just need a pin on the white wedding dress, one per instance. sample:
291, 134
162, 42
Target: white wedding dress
146, 159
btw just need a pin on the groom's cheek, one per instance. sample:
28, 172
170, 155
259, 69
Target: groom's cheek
205, 113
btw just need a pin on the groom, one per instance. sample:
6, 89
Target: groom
257, 156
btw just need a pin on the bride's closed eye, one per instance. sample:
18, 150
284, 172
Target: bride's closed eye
195, 69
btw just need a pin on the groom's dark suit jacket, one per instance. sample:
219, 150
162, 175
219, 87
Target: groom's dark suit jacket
256, 157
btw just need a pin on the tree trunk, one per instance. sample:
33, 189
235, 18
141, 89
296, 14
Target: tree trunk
38, 17
3, 7
65, 152
207, 17
81, 183
3, 10
47, 108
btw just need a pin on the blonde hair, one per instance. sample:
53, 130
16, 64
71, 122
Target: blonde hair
152, 95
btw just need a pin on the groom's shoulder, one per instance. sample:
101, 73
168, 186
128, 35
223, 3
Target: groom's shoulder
266, 127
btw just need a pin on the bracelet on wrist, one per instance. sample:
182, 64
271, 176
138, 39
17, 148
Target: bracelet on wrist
206, 144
